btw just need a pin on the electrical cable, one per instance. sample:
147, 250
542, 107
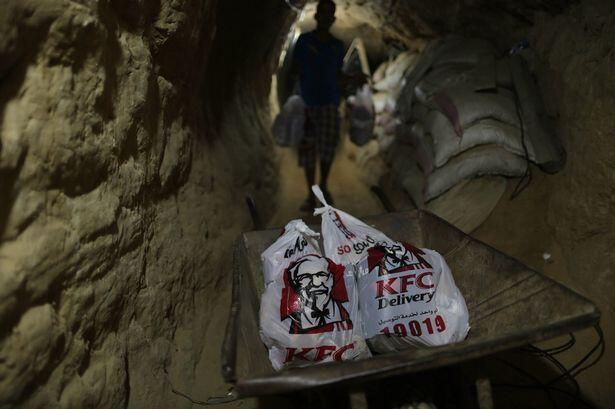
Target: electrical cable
230, 397
564, 371
527, 175
532, 349
532, 377
599, 344
577, 368
566, 374
545, 387
600, 354
594, 362
194, 402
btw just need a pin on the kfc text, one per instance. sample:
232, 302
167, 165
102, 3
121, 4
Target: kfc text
317, 354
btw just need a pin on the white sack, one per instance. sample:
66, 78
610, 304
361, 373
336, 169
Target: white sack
474, 77
420, 143
473, 106
447, 144
380, 72
395, 72
383, 102
482, 160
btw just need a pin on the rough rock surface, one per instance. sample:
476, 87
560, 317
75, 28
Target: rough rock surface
569, 215
575, 67
121, 190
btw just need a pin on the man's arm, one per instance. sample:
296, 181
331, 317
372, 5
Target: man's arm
294, 73
348, 83
296, 66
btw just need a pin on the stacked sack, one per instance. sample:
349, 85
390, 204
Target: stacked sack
367, 286
458, 119
387, 83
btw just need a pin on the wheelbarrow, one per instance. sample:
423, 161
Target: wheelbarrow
510, 305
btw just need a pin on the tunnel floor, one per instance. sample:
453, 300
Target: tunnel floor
349, 192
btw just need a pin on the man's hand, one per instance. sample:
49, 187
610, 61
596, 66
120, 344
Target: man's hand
349, 83
352, 80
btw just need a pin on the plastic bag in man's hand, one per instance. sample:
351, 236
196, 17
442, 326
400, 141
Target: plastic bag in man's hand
309, 310
361, 117
289, 125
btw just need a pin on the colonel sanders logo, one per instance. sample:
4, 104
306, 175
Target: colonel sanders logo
396, 258
314, 296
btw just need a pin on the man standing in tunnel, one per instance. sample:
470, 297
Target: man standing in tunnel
317, 60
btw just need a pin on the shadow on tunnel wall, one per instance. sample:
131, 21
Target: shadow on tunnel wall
246, 42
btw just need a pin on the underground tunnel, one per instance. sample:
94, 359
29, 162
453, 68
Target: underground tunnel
132, 132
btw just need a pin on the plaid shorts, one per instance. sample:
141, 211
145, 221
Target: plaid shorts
322, 135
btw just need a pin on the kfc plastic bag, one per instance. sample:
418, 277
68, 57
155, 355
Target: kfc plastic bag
309, 311
408, 298
296, 240
407, 295
346, 239
289, 125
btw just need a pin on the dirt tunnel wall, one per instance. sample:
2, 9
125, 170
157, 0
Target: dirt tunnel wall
130, 133
122, 182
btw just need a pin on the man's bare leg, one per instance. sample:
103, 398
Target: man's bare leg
325, 168
310, 176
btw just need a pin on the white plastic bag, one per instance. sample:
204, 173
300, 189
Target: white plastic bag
345, 238
361, 117
395, 71
408, 298
407, 295
296, 240
289, 125
309, 310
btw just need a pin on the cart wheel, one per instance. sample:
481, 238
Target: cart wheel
357, 399
483, 393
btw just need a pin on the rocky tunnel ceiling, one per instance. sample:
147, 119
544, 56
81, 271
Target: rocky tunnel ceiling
404, 21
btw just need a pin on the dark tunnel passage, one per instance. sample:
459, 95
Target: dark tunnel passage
132, 131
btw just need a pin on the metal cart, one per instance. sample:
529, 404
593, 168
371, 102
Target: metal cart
510, 305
